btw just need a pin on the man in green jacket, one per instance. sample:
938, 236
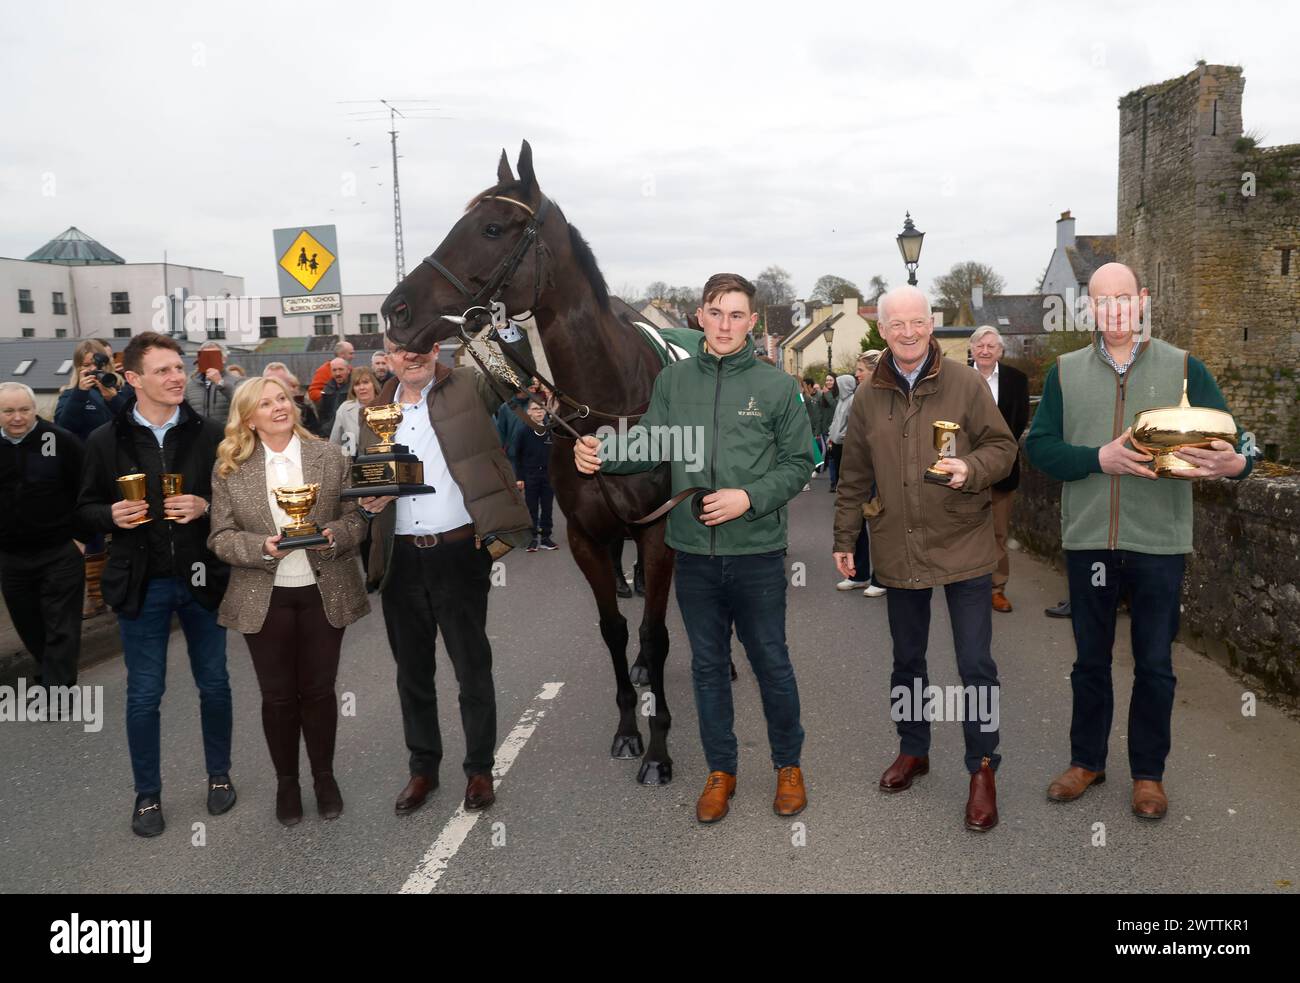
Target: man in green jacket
1124, 531
747, 418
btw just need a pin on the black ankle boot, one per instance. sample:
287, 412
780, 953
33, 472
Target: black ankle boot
329, 800
288, 801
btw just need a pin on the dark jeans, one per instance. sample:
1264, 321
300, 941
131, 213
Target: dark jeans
144, 648
862, 569
539, 495
972, 637
714, 592
43, 593
296, 658
833, 463
442, 588
1153, 585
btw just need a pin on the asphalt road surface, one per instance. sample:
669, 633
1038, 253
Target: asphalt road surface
569, 818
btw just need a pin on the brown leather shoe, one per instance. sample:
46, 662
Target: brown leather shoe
416, 791
479, 793
713, 801
898, 776
1149, 800
1000, 602
1072, 783
982, 804
791, 797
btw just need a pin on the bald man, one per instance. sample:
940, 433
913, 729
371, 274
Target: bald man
1124, 531
334, 394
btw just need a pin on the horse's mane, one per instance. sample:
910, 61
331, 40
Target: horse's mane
581, 250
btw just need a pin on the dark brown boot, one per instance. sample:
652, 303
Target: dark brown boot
906, 767
982, 805
329, 800
288, 801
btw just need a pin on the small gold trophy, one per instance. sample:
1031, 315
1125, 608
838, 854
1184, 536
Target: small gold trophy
172, 484
945, 442
297, 501
386, 468
134, 487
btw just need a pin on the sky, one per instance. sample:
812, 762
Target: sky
682, 139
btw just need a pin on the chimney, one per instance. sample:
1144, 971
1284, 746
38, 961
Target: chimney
977, 295
1065, 230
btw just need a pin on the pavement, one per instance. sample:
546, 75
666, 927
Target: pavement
568, 818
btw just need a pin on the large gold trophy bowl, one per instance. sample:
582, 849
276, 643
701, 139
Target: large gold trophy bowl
297, 501
386, 468
945, 443
1164, 431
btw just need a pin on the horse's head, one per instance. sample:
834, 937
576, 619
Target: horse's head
494, 253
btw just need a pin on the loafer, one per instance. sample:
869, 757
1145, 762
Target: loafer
479, 793
791, 796
906, 767
147, 817
714, 802
1073, 782
1062, 610
1149, 799
413, 796
221, 794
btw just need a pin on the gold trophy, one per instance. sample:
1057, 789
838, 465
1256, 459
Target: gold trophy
172, 484
1164, 431
386, 468
297, 501
945, 442
134, 488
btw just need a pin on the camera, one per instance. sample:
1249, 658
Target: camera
107, 379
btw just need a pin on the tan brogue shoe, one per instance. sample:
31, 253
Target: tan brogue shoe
713, 802
791, 797
1149, 800
1072, 783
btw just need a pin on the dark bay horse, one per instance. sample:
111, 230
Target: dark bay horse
513, 247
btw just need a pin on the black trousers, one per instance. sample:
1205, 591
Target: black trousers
443, 588
43, 591
539, 495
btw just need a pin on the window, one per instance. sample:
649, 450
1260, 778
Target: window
370, 324
25, 305
64, 367
60, 332
29, 332
60, 306
1286, 260
324, 324
24, 365
216, 328
121, 332
267, 328
121, 304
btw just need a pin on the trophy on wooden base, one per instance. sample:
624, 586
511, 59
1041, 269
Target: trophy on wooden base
386, 468
297, 501
945, 442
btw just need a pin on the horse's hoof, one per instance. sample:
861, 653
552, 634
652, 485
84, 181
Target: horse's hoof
639, 674
627, 746
655, 772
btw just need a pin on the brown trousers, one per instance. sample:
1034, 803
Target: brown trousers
1001, 528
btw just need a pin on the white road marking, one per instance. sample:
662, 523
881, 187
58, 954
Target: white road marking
429, 871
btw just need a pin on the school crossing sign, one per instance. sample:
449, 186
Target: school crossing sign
307, 269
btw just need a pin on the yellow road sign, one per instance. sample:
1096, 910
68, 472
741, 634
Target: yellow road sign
306, 260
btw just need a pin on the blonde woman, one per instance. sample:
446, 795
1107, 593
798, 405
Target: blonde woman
291, 606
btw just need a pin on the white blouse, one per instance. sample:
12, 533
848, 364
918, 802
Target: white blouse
284, 468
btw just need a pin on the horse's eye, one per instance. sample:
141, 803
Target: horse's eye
492, 230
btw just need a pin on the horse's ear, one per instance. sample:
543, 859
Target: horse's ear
503, 170
526, 175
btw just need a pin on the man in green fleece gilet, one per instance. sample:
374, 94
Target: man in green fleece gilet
1125, 532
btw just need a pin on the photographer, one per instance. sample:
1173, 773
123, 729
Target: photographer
95, 391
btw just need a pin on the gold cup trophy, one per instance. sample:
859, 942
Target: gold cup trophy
172, 484
134, 488
386, 468
1165, 430
297, 501
945, 443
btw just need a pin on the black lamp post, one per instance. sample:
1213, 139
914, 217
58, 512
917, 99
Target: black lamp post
909, 244
829, 334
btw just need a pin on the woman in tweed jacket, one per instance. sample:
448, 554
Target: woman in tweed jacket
291, 606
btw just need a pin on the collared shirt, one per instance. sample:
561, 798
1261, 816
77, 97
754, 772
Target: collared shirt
159, 432
284, 469
915, 374
992, 380
420, 515
1121, 369
19, 440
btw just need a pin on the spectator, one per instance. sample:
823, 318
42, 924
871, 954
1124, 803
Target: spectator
325, 373
237, 373
532, 461
333, 395
508, 422
379, 366
346, 431
208, 392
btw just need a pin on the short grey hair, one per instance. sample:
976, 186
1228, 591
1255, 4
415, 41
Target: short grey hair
986, 329
208, 346
906, 290
8, 387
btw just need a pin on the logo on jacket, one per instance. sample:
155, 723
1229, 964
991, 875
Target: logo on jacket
750, 410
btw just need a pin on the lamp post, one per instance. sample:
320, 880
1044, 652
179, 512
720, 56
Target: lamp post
909, 244
829, 334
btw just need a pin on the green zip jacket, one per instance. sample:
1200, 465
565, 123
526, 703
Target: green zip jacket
742, 423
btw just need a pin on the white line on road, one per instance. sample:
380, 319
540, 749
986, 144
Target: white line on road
429, 871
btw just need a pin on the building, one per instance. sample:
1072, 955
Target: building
803, 350
1074, 260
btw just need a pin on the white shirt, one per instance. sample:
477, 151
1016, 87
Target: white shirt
284, 468
992, 380
420, 515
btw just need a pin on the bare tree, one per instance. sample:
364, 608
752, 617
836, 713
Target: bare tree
772, 286
832, 289
954, 287
875, 288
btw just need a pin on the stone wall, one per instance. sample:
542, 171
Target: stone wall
1241, 599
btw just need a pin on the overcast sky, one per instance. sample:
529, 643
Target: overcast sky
681, 138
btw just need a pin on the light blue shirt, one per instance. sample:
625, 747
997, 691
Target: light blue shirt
912, 376
158, 432
17, 440
420, 515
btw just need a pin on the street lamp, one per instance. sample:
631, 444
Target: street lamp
829, 334
909, 244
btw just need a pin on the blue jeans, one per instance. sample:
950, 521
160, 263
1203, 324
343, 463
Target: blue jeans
144, 647
1153, 585
713, 592
972, 637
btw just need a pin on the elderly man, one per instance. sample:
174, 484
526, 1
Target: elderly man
333, 395
325, 373
1124, 531
41, 571
928, 534
1010, 388
208, 391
